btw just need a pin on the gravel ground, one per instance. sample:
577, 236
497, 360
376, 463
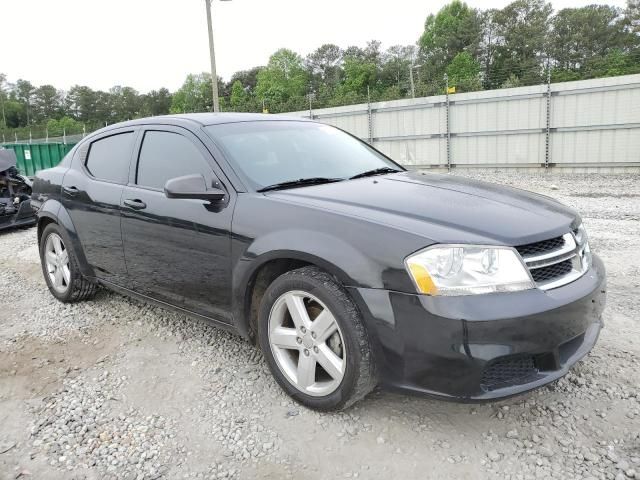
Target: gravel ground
113, 388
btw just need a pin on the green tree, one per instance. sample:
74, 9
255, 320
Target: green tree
239, 98
523, 30
156, 102
488, 43
373, 53
455, 28
283, 82
512, 81
125, 103
47, 103
103, 109
64, 125
354, 52
23, 91
194, 95
325, 68
80, 103
325, 61
248, 79
358, 75
616, 62
397, 62
15, 113
632, 14
579, 34
3, 99
464, 73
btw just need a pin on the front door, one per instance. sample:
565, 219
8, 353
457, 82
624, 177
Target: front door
177, 250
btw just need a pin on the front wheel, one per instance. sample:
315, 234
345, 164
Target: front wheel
314, 340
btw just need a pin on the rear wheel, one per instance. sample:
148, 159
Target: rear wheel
60, 268
314, 340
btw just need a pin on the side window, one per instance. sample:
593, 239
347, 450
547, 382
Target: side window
109, 157
166, 155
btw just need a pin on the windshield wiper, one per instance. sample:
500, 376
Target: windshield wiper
375, 171
299, 183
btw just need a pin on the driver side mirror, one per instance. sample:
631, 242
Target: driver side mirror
192, 186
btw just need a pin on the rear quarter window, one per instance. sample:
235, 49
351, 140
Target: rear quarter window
108, 158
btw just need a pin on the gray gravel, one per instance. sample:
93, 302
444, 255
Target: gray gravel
113, 388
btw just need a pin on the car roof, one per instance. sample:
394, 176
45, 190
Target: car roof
190, 120
208, 118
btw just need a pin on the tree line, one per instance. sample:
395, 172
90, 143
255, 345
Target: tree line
470, 49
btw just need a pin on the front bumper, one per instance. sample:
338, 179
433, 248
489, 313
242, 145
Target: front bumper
482, 347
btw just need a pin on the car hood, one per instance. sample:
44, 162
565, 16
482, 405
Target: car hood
442, 208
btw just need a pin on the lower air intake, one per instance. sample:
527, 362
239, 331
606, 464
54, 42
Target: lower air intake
508, 371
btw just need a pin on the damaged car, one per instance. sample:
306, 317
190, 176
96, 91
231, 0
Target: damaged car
15, 194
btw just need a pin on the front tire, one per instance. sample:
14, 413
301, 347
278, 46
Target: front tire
314, 340
60, 267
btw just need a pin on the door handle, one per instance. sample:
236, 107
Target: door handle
135, 203
72, 190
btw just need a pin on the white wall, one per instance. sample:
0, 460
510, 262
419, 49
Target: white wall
593, 124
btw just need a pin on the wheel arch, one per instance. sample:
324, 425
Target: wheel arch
52, 211
262, 272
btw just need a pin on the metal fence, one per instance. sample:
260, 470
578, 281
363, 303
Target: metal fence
583, 125
64, 139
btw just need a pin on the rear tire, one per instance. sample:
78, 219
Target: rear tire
60, 267
320, 354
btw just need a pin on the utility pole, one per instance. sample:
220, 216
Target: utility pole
4, 117
214, 75
413, 85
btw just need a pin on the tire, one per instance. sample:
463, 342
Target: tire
75, 287
346, 352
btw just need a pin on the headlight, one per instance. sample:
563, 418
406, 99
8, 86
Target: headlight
581, 235
467, 270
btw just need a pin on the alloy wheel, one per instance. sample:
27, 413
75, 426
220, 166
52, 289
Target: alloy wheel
307, 343
56, 258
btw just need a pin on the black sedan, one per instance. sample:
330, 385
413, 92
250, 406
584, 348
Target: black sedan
347, 270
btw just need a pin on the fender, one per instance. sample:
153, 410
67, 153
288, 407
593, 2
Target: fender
55, 211
318, 248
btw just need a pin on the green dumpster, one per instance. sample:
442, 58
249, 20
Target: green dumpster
33, 157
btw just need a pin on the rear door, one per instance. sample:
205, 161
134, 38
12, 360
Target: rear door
177, 250
91, 193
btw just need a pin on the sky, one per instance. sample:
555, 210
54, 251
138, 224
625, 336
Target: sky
149, 44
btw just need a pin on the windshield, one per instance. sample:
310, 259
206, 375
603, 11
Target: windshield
272, 152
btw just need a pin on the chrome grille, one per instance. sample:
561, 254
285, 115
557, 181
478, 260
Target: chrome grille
556, 261
540, 247
551, 272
